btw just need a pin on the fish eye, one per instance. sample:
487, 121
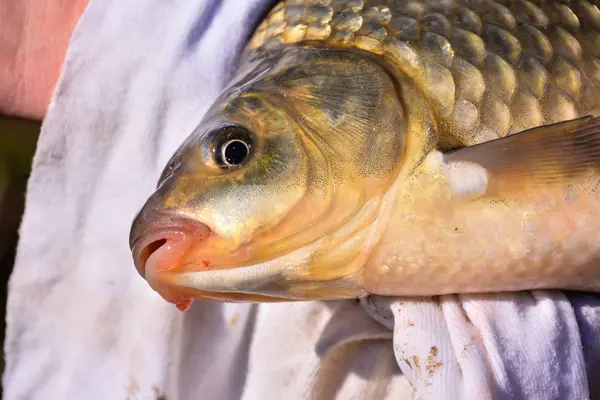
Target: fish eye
232, 147
235, 152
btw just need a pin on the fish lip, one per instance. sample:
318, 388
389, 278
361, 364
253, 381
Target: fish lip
141, 243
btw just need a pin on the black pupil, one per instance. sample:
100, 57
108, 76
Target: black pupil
235, 152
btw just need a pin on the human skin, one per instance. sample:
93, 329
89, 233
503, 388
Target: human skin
34, 35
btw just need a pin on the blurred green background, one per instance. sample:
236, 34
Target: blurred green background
18, 138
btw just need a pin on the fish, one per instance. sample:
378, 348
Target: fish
392, 148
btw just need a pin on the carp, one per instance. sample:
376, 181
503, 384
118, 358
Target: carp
397, 148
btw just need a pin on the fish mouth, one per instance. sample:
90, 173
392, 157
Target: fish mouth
158, 255
147, 245
182, 259
158, 252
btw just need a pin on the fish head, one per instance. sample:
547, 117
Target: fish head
275, 195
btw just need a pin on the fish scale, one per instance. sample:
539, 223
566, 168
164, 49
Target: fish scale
487, 68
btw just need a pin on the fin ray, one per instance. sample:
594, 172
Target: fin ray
545, 155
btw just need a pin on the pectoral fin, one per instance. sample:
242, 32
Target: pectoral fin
547, 155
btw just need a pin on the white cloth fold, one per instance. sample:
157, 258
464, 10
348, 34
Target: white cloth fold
529, 345
82, 324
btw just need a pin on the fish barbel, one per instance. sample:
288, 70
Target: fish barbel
390, 148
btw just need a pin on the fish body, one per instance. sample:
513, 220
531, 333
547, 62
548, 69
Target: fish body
391, 148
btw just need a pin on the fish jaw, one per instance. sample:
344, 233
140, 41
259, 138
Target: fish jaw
281, 279
183, 265
184, 259
160, 258
328, 268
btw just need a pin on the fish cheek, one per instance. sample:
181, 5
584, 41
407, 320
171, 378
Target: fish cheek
259, 195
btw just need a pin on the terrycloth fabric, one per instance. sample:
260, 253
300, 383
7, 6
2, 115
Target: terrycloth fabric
82, 324
536, 345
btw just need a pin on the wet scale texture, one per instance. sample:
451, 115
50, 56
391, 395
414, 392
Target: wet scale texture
549, 241
488, 68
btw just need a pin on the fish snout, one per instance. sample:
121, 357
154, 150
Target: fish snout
158, 245
153, 232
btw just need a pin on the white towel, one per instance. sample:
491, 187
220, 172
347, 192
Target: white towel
82, 324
